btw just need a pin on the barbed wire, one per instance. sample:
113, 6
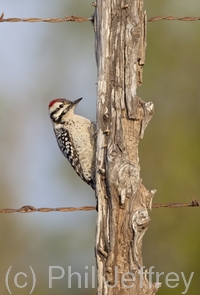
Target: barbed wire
171, 17
71, 18
31, 209
81, 19
194, 203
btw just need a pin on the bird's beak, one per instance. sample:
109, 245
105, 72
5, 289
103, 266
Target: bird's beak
77, 101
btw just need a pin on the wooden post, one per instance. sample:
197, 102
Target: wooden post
123, 201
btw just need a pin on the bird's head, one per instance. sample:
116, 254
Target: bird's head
61, 106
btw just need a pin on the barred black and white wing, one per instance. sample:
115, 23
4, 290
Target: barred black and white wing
67, 147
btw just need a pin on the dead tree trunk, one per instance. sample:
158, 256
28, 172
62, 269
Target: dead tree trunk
123, 201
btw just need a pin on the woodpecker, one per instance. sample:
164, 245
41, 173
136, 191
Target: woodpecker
75, 137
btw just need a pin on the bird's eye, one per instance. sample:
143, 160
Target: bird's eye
61, 106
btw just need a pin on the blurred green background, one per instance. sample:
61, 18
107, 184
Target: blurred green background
39, 62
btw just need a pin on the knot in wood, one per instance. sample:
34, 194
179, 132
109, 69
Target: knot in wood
127, 180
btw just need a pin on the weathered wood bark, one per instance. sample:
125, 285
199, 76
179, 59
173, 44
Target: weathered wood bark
123, 201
